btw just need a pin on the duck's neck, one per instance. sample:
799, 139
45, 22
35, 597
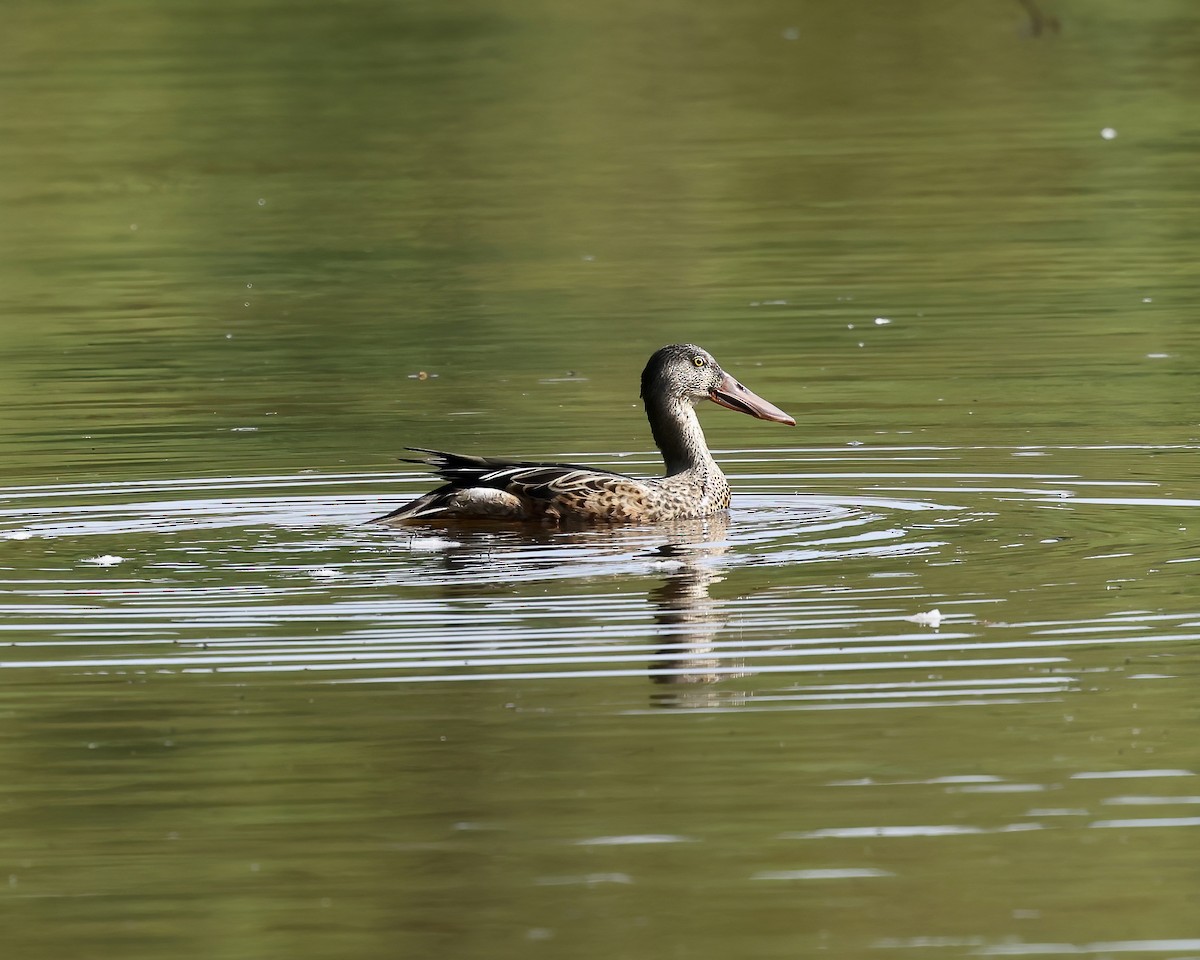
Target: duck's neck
677, 434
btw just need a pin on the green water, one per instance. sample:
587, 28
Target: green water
250, 251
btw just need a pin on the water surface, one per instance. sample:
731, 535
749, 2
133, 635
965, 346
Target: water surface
926, 691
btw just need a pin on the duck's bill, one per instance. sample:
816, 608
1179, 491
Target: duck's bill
733, 395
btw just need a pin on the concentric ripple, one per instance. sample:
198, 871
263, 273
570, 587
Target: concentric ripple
883, 580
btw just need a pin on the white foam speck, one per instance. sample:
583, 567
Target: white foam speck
1109, 133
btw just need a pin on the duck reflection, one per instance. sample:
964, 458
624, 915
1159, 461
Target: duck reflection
685, 554
688, 617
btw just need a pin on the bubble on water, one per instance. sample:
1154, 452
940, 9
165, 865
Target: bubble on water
882, 321
262, 201
1108, 133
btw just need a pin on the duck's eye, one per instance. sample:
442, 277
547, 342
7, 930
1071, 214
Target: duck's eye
698, 361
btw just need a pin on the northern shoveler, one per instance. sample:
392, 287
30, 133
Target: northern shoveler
677, 378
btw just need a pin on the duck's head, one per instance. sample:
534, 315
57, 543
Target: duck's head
684, 371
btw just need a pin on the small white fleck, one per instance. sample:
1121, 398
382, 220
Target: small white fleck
1157, 356
229, 336
588, 258
262, 202
1147, 299
249, 286
243, 429
882, 321
1109, 133
105, 560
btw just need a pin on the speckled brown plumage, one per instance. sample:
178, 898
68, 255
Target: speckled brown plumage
675, 379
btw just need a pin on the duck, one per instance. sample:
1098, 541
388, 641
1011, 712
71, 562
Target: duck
676, 378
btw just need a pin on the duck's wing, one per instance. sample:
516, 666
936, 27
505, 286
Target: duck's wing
491, 487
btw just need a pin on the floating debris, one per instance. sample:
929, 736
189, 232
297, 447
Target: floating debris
929, 618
